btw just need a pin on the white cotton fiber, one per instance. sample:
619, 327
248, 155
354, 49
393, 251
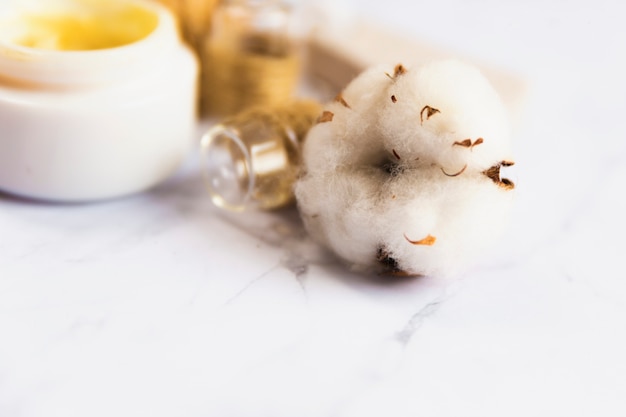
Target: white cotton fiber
402, 172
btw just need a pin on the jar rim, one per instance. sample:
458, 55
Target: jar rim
93, 66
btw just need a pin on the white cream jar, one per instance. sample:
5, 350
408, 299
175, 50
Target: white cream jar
97, 98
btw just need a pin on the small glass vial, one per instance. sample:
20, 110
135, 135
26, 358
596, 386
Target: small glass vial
252, 160
249, 59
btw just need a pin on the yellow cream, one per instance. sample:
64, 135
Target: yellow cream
86, 25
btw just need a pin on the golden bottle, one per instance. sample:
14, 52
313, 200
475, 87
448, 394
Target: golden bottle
249, 59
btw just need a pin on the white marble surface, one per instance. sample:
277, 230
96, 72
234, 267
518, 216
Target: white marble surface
159, 305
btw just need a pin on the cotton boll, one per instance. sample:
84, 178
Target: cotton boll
353, 137
341, 210
438, 225
402, 172
447, 113
343, 155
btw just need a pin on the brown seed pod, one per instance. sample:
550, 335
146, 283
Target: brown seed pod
493, 173
394, 99
464, 143
478, 142
454, 175
427, 241
507, 184
339, 99
429, 112
467, 143
399, 70
327, 116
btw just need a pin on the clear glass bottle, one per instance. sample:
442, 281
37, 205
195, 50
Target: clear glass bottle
252, 160
249, 58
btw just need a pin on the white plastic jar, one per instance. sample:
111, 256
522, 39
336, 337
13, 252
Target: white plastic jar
97, 98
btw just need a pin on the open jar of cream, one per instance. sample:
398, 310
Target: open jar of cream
97, 98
